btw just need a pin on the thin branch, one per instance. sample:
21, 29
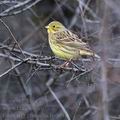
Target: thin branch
24, 4
56, 98
76, 110
9, 2
12, 68
6, 26
2, 46
26, 91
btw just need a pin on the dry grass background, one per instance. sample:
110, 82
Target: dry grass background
31, 86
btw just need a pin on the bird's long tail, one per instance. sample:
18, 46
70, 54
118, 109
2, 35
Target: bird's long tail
89, 53
97, 56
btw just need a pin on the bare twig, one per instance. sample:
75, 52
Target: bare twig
27, 91
9, 2
12, 68
56, 98
104, 36
26, 5
76, 110
6, 26
83, 18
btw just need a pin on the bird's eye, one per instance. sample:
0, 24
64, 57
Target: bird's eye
53, 26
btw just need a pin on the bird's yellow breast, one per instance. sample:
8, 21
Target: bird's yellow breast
61, 52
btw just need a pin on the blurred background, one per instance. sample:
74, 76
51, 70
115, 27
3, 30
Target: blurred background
31, 88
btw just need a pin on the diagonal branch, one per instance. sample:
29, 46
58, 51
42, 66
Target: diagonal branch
12, 68
6, 26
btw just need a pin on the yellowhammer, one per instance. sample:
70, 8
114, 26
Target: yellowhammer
65, 44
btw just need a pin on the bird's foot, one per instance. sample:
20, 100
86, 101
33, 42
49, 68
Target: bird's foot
64, 65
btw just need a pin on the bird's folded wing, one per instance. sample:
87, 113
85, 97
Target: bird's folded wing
69, 39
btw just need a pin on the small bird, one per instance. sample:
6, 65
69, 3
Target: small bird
65, 44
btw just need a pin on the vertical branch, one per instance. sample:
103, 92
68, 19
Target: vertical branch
83, 18
104, 36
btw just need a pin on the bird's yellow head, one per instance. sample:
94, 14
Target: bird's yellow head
55, 26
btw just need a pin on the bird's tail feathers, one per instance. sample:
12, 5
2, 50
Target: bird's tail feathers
89, 53
97, 56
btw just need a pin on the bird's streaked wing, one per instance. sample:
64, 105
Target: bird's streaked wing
70, 39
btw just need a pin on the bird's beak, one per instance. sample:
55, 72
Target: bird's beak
46, 27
